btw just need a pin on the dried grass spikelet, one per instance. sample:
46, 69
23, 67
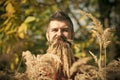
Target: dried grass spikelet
106, 36
114, 66
103, 35
77, 65
49, 65
113, 70
86, 72
68, 57
98, 26
30, 65
41, 67
50, 60
94, 57
29, 58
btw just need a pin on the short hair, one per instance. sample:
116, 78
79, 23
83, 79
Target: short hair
61, 16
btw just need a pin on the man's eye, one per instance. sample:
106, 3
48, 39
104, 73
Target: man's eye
65, 30
54, 30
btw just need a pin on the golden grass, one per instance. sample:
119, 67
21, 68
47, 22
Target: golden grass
103, 37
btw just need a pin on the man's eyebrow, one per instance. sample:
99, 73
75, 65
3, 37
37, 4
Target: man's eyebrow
54, 28
61, 28
66, 28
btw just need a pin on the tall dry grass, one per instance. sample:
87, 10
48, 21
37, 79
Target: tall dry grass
103, 37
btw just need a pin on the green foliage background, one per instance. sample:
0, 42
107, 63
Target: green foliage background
23, 26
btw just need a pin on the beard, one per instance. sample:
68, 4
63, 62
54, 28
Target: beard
62, 48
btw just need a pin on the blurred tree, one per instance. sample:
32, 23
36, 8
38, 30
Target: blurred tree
110, 16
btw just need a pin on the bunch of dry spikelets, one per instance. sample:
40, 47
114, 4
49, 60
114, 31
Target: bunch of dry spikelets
41, 67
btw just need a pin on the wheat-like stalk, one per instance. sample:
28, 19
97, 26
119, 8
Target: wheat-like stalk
103, 36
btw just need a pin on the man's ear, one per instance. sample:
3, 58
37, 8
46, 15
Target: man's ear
73, 36
47, 36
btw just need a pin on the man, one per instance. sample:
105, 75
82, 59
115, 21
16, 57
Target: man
59, 34
57, 62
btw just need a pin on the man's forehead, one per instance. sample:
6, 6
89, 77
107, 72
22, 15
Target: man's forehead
55, 24
64, 27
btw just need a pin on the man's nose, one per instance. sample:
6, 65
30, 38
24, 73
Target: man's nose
59, 33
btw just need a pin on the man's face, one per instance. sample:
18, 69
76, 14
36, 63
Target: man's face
58, 29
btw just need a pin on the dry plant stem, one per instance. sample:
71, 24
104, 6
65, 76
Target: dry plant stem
100, 67
105, 62
102, 56
19, 65
102, 63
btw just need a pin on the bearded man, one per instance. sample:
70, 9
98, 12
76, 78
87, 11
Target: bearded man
59, 34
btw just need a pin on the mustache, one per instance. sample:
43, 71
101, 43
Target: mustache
62, 39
